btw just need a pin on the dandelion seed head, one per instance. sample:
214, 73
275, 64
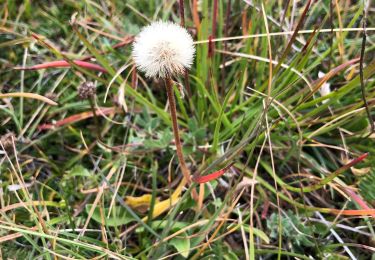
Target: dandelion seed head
163, 49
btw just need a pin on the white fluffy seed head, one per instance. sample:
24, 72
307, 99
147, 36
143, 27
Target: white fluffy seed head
163, 49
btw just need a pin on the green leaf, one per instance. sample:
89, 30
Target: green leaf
367, 187
118, 217
230, 256
161, 224
357, 124
79, 170
262, 235
182, 245
259, 233
164, 140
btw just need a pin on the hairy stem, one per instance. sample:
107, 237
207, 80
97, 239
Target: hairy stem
176, 133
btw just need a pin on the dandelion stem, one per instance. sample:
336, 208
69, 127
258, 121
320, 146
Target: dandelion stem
96, 120
176, 133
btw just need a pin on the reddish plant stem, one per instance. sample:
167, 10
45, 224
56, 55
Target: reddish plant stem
211, 45
226, 28
363, 89
182, 13
196, 16
214, 19
134, 78
173, 112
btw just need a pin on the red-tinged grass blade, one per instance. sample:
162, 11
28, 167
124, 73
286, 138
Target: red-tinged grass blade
296, 29
78, 117
319, 83
60, 55
211, 176
355, 161
196, 20
309, 40
64, 64
126, 41
266, 206
294, 35
335, 174
353, 212
362, 212
182, 13
214, 18
29, 95
358, 199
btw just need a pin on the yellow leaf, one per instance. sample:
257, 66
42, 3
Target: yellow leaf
165, 205
135, 202
29, 95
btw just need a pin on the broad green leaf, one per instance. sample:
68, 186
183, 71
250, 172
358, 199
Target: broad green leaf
259, 233
79, 170
118, 216
158, 224
181, 244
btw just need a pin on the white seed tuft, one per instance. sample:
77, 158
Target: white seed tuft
325, 89
163, 49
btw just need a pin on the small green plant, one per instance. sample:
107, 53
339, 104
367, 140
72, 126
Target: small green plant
294, 228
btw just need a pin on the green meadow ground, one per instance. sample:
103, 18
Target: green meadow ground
96, 178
